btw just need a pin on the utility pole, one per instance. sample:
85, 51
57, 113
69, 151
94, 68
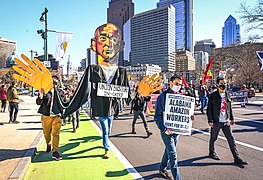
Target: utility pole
32, 58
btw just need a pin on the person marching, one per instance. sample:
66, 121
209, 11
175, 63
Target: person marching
220, 116
169, 138
138, 106
51, 123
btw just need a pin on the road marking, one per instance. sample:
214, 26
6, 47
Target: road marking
237, 142
120, 156
261, 122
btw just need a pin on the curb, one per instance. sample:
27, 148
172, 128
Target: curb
23, 165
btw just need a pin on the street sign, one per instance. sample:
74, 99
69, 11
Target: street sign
47, 64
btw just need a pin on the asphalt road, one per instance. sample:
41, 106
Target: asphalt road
145, 153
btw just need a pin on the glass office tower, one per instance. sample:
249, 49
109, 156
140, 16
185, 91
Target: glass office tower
184, 22
230, 32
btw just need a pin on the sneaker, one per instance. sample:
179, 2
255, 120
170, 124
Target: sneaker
214, 156
48, 148
240, 161
56, 156
107, 154
15, 122
165, 174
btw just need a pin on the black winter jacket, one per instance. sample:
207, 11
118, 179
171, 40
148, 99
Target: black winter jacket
88, 85
214, 107
139, 103
45, 104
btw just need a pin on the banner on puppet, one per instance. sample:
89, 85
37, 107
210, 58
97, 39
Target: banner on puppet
151, 104
111, 90
178, 112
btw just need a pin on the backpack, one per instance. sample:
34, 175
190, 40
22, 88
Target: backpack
10, 94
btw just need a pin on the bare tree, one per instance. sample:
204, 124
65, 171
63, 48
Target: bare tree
240, 63
253, 19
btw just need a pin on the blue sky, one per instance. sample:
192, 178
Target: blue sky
19, 21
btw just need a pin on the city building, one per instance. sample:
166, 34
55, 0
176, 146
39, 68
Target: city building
184, 61
151, 38
142, 70
91, 57
118, 13
230, 32
201, 61
206, 45
184, 22
69, 66
7, 48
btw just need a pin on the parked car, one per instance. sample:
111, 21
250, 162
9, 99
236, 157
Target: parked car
36, 92
23, 91
251, 92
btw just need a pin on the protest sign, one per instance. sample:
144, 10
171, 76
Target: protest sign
177, 114
151, 104
111, 90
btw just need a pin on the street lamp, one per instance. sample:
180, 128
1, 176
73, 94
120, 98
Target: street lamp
32, 58
43, 33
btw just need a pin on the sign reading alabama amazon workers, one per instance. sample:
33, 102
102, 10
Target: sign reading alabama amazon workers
177, 114
111, 90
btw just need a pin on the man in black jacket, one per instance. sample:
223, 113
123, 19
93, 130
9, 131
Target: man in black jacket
138, 108
220, 116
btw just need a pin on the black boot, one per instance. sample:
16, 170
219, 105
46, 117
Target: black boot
133, 131
149, 133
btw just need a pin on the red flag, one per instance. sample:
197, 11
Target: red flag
209, 67
184, 82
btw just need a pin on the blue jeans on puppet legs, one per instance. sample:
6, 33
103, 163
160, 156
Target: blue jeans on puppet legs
106, 123
170, 154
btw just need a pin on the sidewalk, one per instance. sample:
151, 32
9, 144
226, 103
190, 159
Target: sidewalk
18, 140
82, 151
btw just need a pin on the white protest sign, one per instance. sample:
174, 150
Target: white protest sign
222, 74
111, 90
177, 114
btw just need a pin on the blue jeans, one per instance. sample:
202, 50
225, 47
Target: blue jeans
170, 155
203, 100
106, 123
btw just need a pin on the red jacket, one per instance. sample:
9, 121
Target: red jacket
2, 94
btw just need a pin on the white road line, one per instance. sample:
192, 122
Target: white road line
120, 156
238, 142
261, 122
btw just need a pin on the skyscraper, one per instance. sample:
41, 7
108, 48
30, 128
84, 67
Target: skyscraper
118, 13
152, 38
206, 45
184, 22
230, 32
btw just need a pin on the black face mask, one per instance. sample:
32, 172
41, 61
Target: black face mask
222, 86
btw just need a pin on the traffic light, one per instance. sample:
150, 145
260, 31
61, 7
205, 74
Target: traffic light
43, 33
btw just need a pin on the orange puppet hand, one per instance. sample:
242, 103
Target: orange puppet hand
150, 84
33, 73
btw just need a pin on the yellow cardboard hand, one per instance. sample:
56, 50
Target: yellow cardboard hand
33, 73
150, 84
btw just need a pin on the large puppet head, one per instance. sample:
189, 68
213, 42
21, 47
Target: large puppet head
107, 43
